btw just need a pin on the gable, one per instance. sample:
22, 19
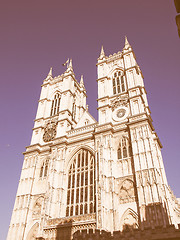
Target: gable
86, 119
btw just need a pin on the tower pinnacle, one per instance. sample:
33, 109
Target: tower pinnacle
49, 74
102, 54
70, 64
126, 45
82, 82
69, 67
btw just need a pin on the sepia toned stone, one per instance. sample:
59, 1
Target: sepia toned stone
83, 179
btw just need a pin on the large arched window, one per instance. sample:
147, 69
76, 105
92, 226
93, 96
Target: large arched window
118, 83
55, 104
81, 184
124, 149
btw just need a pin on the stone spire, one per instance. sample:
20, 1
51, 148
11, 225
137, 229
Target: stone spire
102, 54
49, 76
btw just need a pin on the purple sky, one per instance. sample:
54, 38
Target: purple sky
36, 35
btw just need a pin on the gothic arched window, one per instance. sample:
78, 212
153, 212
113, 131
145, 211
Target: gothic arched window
81, 184
118, 83
44, 170
55, 104
124, 150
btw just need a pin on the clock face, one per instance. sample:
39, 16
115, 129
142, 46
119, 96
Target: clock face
49, 132
120, 114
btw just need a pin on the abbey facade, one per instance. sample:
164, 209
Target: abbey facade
81, 174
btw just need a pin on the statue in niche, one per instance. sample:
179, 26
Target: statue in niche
37, 207
126, 193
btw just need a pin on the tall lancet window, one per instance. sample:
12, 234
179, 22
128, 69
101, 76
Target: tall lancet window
44, 170
118, 83
124, 149
81, 184
55, 104
74, 110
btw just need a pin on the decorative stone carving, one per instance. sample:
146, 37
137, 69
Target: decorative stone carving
50, 131
57, 221
126, 193
134, 135
71, 219
55, 153
153, 177
140, 133
146, 177
37, 207
83, 226
139, 178
118, 102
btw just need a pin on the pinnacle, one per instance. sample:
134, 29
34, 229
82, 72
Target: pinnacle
126, 45
66, 63
81, 81
49, 74
70, 64
102, 54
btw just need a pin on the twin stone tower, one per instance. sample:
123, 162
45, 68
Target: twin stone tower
93, 175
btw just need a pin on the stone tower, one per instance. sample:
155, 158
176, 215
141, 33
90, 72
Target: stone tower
82, 174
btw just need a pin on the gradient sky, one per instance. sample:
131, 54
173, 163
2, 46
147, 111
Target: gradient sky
36, 35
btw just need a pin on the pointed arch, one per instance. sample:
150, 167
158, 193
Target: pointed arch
33, 231
126, 191
74, 151
129, 219
124, 148
56, 90
118, 80
115, 69
81, 183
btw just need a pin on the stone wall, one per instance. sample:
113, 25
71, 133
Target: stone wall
169, 233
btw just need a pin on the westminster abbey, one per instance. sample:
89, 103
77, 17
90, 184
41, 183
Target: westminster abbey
84, 178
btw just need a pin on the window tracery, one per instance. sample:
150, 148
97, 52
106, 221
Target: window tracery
44, 170
55, 104
124, 149
118, 83
81, 184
